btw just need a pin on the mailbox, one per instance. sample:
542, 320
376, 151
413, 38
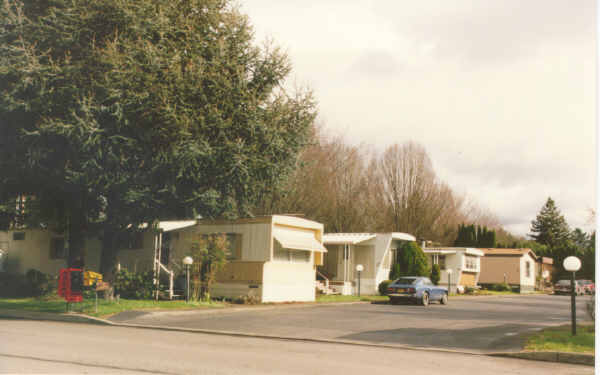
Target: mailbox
70, 284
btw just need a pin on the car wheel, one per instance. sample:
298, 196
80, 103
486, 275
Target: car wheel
425, 299
444, 299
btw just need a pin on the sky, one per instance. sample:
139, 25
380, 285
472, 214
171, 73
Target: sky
500, 93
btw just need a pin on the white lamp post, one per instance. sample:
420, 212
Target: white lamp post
572, 264
449, 271
359, 268
187, 261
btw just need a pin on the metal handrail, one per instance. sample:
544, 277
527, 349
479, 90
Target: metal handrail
171, 275
324, 277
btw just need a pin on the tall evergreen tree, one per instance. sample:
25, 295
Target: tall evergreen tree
128, 111
549, 227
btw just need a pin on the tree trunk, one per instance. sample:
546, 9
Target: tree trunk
109, 252
76, 230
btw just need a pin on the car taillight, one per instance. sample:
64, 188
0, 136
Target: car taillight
390, 289
411, 290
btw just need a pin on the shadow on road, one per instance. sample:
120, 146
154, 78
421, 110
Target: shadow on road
506, 337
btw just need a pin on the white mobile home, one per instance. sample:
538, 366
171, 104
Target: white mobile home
375, 251
461, 264
272, 258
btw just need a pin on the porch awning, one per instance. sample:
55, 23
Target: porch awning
297, 239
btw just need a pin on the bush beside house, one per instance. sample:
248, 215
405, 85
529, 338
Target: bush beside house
33, 284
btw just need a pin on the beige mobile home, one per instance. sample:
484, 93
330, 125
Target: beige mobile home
38, 249
42, 250
272, 258
461, 264
516, 267
375, 251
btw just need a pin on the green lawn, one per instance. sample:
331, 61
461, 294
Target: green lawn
339, 298
105, 308
559, 339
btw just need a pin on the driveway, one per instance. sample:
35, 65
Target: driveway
467, 324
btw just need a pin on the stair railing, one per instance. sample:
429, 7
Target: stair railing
159, 265
325, 278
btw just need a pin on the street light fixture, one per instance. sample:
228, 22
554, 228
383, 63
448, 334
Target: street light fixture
449, 274
187, 261
359, 268
572, 264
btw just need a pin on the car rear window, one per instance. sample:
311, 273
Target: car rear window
405, 280
564, 282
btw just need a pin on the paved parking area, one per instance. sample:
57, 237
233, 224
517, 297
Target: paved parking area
469, 324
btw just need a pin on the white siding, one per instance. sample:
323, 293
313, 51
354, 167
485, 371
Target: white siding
288, 282
527, 282
382, 248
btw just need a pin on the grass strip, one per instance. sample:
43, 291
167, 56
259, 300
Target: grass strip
105, 308
559, 339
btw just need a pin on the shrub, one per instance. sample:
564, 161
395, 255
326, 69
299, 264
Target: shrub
435, 274
33, 284
14, 286
40, 284
383, 286
503, 287
246, 300
134, 285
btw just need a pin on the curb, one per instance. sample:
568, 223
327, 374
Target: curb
299, 339
232, 310
562, 357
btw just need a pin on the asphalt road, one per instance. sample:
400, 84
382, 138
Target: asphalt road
467, 324
28, 347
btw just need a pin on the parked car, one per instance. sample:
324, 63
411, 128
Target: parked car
588, 286
564, 287
416, 289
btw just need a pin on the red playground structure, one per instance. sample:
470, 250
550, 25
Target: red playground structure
70, 284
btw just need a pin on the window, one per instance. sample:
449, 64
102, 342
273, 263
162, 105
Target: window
234, 250
470, 262
57, 248
527, 269
18, 236
234, 244
281, 254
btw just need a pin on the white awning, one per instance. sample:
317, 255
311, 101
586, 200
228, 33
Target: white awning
297, 239
346, 238
167, 226
403, 236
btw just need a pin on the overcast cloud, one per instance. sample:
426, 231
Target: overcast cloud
501, 93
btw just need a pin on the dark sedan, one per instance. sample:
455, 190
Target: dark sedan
416, 289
